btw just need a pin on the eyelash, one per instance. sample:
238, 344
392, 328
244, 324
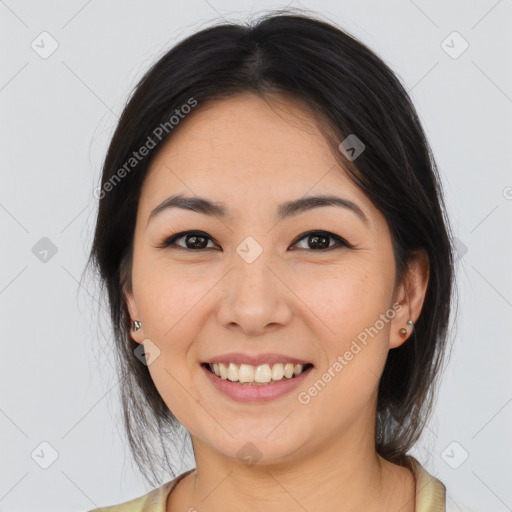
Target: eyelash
170, 241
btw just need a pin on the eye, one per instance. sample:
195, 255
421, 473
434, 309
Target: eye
196, 240
320, 239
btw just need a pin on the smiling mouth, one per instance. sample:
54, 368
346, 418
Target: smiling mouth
261, 375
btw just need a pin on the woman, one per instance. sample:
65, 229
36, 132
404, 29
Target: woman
273, 241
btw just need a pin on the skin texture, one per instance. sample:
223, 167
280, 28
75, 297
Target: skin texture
294, 299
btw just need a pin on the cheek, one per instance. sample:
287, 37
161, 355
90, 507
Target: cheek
346, 384
353, 312
171, 313
169, 297
348, 299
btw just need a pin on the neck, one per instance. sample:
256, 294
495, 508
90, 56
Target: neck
345, 477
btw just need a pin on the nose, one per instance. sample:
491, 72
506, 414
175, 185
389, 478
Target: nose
255, 297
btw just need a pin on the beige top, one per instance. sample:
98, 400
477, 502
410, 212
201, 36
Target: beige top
430, 494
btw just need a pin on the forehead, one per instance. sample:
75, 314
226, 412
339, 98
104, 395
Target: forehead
246, 152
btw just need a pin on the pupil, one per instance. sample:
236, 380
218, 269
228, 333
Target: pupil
314, 239
194, 239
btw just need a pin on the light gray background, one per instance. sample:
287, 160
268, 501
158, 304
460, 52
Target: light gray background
56, 368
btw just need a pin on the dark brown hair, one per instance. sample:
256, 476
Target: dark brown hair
348, 90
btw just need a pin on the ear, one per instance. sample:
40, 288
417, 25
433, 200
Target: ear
138, 335
411, 295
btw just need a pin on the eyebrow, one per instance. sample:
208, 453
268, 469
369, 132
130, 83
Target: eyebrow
285, 210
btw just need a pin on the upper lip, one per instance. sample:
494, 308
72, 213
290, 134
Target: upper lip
256, 360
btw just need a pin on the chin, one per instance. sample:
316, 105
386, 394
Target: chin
257, 447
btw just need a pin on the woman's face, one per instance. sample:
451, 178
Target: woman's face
254, 283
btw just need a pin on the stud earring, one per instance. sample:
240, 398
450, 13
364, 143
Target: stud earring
136, 325
403, 331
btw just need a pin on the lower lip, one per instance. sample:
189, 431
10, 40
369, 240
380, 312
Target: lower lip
246, 393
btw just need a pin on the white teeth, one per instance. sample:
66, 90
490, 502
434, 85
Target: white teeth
289, 370
232, 372
246, 373
223, 371
262, 374
277, 372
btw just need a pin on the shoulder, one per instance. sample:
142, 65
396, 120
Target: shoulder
154, 501
430, 492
